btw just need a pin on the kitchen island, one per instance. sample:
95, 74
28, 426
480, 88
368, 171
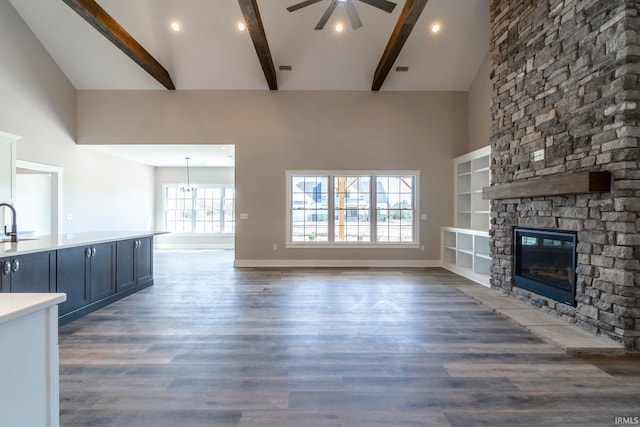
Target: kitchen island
93, 269
29, 360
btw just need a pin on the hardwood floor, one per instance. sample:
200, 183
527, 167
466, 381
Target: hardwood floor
210, 345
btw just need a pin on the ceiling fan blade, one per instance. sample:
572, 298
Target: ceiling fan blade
353, 15
385, 5
302, 4
327, 14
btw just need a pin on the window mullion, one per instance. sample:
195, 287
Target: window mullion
221, 208
373, 208
414, 207
331, 207
165, 206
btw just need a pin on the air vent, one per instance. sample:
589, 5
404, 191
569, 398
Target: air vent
285, 68
402, 68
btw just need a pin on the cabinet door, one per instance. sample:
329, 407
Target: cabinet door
103, 281
5, 275
125, 264
73, 277
33, 272
144, 260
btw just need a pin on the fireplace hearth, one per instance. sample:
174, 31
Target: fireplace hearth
545, 263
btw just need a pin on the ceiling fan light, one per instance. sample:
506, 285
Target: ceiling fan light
339, 28
242, 26
435, 28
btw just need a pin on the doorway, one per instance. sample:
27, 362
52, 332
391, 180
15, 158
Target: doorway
38, 194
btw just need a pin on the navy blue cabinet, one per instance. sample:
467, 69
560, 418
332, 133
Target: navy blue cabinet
134, 264
86, 274
92, 276
28, 273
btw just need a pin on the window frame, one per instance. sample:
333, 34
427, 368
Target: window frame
222, 187
372, 175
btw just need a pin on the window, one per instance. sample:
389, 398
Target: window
335, 207
210, 209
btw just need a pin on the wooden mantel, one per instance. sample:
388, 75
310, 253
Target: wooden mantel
554, 185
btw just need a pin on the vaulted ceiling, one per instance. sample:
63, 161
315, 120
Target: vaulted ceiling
95, 44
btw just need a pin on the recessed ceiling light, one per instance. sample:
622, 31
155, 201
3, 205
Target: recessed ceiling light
339, 28
175, 26
241, 26
435, 28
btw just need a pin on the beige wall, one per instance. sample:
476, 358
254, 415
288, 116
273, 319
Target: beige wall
479, 108
198, 175
39, 104
276, 131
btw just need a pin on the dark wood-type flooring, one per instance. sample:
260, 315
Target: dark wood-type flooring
210, 345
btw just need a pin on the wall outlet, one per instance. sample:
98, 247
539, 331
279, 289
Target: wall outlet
69, 217
538, 155
423, 217
422, 247
275, 246
244, 216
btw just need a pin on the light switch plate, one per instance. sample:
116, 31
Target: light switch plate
244, 216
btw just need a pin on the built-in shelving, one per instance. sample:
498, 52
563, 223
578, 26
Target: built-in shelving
472, 174
465, 247
466, 252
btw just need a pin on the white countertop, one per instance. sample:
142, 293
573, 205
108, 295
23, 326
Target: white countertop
17, 305
50, 243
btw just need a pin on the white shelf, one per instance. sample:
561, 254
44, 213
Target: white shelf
466, 252
465, 247
472, 174
470, 256
463, 168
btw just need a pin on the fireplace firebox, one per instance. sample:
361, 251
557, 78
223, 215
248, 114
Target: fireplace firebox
545, 263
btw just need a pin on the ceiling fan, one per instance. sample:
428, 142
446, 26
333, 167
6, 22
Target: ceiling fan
385, 5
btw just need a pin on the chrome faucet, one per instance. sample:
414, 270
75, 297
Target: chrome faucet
14, 228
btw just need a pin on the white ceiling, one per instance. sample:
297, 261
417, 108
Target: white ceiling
210, 53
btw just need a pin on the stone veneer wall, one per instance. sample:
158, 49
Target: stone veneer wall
565, 79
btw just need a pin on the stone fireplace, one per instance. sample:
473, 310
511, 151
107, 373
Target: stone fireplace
566, 89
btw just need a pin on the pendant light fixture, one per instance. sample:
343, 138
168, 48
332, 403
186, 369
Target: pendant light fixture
188, 187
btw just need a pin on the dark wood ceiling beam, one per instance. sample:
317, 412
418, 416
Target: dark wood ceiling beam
254, 24
99, 19
407, 20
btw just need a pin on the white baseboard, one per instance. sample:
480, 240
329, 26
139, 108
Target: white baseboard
266, 263
193, 246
